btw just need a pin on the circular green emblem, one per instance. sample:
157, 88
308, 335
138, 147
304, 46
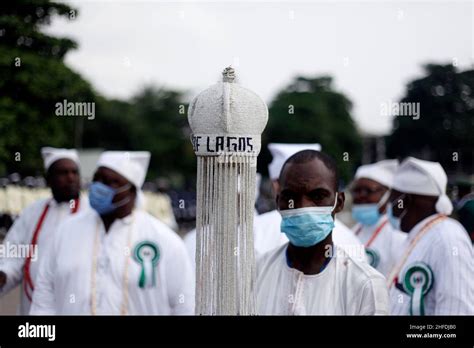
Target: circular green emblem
373, 256
147, 254
417, 282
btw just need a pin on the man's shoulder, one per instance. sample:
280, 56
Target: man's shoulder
151, 227
190, 238
270, 259
267, 217
358, 271
450, 232
35, 207
80, 221
343, 235
86, 215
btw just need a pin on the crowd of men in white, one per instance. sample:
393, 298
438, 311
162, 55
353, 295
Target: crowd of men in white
104, 255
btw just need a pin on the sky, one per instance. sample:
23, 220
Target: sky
372, 49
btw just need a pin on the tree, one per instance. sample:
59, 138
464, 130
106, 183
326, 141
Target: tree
161, 127
33, 78
308, 110
445, 128
154, 120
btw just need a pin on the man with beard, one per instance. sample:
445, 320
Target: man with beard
36, 223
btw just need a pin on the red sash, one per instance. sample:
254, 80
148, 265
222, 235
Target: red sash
28, 285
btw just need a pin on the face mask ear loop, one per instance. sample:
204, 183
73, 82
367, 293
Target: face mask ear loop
335, 203
384, 199
404, 209
126, 199
123, 188
122, 202
404, 212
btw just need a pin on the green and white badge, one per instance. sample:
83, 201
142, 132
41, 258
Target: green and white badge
373, 256
417, 282
147, 254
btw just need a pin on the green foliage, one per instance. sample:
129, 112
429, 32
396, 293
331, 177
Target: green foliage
154, 120
33, 79
162, 128
310, 111
444, 131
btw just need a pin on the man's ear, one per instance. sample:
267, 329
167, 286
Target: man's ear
408, 200
48, 178
341, 198
275, 187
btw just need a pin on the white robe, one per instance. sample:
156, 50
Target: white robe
64, 284
385, 245
447, 250
21, 233
345, 287
268, 235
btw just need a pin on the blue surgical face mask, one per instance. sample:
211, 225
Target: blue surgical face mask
306, 227
368, 214
101, 196
396, 222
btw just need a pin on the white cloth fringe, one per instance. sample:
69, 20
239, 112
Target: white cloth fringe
225, 264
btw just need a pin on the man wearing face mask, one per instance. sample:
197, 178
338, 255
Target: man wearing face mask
267, 225
115, 259
370, 191
434, 269
310, 275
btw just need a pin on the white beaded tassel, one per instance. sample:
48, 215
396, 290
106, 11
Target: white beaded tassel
224, 244
226, 171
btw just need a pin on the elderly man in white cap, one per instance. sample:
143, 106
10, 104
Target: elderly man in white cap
115, 259
370, 191
433, 271
34, 228
268, 235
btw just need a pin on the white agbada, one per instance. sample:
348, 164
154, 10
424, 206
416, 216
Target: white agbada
268, 236
447, 250
441, 252
22, 231
345, 287
65, 282
21, 234
385, 244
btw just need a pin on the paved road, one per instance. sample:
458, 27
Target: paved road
9, 302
